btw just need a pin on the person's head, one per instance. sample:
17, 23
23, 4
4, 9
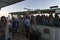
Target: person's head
50, 16
43, 15
46, 16
27, 17
56, 15
3, 19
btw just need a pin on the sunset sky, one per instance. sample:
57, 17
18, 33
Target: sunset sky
30, 4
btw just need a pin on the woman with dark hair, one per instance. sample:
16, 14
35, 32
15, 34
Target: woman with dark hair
3, 28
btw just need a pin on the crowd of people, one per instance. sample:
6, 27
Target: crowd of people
46, 20
40, 20
7, 25
11, 26
33, 35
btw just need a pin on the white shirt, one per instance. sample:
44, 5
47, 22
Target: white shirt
27, 22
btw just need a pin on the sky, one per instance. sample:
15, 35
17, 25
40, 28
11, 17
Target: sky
30, 4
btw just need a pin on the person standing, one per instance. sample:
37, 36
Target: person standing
56, 21
27, 26
3, 29
50, 20
15, 24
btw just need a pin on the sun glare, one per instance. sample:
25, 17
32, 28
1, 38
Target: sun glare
3, 14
